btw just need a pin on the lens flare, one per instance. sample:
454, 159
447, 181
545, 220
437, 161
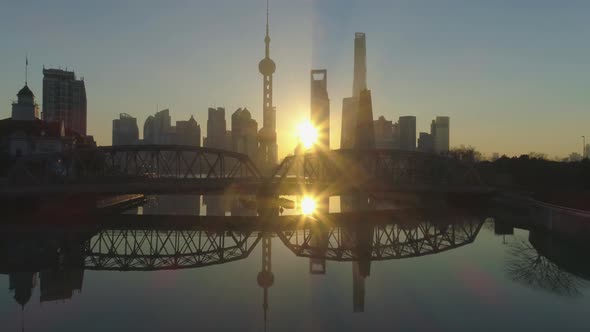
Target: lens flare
307, 205
308, 134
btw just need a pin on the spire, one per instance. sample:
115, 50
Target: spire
26, 69
267, 38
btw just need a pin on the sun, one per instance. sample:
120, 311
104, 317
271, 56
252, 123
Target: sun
307, 205
308, 134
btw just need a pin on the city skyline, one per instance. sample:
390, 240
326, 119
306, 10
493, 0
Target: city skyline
517, 79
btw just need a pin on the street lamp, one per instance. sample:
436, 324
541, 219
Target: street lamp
583, 147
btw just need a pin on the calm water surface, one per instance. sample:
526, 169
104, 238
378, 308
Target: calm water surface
431, 270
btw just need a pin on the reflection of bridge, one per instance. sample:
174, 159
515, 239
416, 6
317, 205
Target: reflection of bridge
174, 169
390, 241
136, 247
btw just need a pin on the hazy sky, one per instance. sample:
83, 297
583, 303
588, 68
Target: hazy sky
514, 76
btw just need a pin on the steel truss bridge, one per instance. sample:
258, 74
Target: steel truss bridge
139, 248
159, 169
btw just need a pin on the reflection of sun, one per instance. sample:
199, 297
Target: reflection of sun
308, 134
307, 205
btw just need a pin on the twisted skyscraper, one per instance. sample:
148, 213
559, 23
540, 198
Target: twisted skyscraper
350, 106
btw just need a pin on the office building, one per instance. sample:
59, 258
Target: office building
125, 130
64, 99
425, 143
407, 133
216, 128
188, 132
243, 133
383, 133
320, 108
365, 133
349, 113
439, 129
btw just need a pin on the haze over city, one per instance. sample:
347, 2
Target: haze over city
513, 78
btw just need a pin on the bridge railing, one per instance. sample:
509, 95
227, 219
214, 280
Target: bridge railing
133, 163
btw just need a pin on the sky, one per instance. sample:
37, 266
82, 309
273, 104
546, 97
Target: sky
512, 75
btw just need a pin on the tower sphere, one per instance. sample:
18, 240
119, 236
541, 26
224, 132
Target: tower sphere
267, 66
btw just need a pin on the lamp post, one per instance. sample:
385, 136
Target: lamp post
583, 147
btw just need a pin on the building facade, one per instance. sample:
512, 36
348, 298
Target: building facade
425, 143
407, 133
25, 108
244, 131
64, 99
439, 129
365, 133
216, 128
125, 130
383, 133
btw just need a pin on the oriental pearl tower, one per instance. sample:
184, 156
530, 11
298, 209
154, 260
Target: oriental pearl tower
267, 136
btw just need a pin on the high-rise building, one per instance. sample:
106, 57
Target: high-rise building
243, 133
25, 108
383, 133
188, 132
64, 99
216, 127
365, 133
267, 137
158, 129
350, 105
425, 143
407, 133
359, 82
439, 129
320, 107
125, 130
349, 112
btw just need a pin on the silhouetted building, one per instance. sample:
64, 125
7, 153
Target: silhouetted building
19, 137
350, 105
407, 133
439, 129
383, 133
25, 109
365, 133
320, 107
22, 284
425, 143
158, 128
64, 99
349, 114
188, 132
267, 137
359, 82
216, 128
243, 133
125, 130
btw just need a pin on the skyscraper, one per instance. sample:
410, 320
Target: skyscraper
267, 137
383, 133
350, 105
425, 143
216, 127
439, 129
188, 132
365, 133
320, 107
64, 99
359, 82
243, 133
407, 133
125, 130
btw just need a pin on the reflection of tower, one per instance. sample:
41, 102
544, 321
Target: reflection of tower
267, 136
265, 277
22, 283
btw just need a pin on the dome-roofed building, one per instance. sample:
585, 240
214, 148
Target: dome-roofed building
25, 109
